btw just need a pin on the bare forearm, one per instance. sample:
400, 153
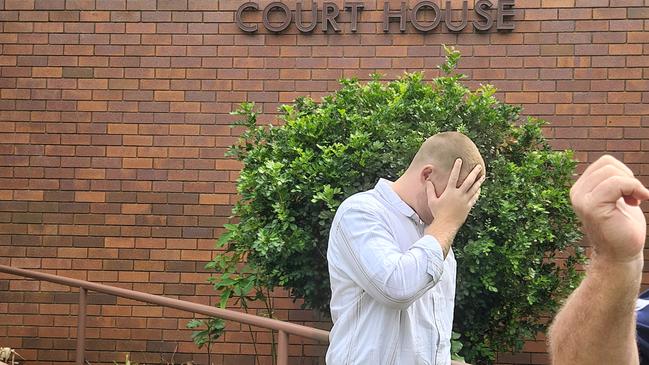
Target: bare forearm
597, 323
444, 233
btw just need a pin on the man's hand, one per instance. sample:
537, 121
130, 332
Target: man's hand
454, 204
606, 198
452, 207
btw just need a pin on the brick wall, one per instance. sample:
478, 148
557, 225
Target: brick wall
114, 122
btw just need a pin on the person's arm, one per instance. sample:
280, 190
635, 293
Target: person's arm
597, 323
452, 206
373, 259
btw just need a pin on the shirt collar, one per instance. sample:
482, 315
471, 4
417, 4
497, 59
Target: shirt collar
384, 188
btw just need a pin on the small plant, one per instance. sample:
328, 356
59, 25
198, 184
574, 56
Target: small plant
214, 328
127, 361
235, 281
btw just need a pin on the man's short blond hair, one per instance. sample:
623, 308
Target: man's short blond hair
442, 149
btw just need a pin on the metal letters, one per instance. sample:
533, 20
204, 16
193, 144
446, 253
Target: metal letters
448, 18
481, 12
330, 12
355, 7
415, 11
505, 10
402, 15
298, 18
483, 19
287, 17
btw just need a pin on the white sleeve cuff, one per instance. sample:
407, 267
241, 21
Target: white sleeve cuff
435, 255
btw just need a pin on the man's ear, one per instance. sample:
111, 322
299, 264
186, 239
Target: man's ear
427, 173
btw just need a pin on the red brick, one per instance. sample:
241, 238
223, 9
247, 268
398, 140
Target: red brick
28, 195
541, 14
96, 197
637, 37
626, 49
623, 121
18, 4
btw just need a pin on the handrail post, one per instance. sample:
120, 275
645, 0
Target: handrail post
81, 327
282, 348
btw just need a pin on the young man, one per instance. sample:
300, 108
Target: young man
597, 323
391, 264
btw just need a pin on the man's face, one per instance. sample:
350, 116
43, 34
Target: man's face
439, 181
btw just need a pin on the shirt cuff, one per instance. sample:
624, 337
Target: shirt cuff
435, 255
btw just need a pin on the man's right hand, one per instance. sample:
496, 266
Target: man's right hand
451, 208
453, 205
606, 198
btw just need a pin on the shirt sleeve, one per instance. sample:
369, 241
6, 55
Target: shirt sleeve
372, 258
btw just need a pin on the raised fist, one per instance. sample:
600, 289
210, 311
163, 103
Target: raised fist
607, 199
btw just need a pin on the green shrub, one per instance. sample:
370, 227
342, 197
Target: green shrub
510, 252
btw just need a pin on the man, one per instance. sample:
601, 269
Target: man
597, 324
391, 264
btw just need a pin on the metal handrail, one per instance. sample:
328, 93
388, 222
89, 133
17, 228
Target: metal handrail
283, 328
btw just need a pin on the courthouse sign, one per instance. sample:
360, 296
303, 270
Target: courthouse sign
486, 15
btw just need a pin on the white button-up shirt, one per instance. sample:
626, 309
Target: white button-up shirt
392, 290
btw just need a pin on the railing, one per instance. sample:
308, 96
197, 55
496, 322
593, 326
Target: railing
284, 329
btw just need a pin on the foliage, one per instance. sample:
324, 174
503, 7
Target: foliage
213, 330
235, 281
127, 361
512, 266
456, 347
